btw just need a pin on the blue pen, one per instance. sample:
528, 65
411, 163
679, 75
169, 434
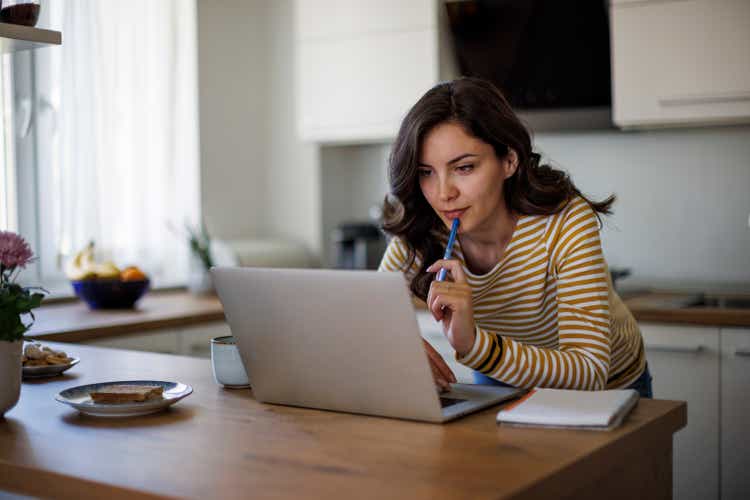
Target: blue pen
449, 248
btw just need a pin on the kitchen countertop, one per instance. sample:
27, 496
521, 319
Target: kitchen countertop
664, 306
221, 443
74, 322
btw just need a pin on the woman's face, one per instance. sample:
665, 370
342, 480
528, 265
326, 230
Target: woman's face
460, 176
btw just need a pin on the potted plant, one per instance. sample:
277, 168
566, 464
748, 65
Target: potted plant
15, 302
201, 261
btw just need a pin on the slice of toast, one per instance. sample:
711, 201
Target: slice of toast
126, 393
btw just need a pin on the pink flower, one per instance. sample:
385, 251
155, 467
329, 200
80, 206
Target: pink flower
14, 251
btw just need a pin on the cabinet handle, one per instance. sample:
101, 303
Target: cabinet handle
691, 100
675, 348
745, 353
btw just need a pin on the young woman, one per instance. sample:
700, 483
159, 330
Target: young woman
528, 301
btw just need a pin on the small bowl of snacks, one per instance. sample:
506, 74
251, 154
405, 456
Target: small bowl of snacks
104, 285
43, 361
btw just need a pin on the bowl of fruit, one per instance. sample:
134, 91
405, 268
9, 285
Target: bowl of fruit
104, 285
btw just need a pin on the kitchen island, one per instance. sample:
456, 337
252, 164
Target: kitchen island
221, 443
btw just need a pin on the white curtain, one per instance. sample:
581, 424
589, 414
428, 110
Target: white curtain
118, 126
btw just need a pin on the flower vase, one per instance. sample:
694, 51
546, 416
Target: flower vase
10, 374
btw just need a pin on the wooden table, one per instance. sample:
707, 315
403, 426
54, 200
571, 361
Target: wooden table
220, 443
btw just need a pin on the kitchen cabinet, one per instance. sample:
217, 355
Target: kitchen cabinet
679, 63
196, 340
684, 363
163, 340
192, 340
735, 413
362, 64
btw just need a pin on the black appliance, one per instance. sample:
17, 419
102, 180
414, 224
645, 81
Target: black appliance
543, 54
357, 245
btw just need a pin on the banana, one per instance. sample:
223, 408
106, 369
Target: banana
83, 266
107, 270
74, 269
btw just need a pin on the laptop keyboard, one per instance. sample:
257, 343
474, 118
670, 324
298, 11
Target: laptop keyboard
445, 402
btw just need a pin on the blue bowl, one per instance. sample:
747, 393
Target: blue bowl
110, 293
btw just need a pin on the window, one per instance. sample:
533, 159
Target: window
7, 172
111, 153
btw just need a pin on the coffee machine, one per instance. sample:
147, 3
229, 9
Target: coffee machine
357, 245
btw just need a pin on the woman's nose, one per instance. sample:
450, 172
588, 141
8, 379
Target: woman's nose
447, 190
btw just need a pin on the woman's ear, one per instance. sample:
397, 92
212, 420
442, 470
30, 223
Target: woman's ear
510, 163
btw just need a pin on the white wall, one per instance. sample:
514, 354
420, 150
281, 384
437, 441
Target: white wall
293, 183
258, 180
681, 218
233, 108
683, 200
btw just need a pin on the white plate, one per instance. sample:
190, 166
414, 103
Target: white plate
48, 370
78, 398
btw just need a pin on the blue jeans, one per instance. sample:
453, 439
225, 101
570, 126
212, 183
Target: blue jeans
642, 385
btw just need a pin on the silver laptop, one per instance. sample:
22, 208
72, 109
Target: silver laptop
339, 340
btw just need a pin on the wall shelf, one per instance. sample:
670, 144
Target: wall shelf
16, 37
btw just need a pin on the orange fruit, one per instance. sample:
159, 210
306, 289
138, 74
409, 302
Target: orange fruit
132, 273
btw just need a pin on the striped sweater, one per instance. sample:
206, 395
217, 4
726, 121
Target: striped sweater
547, 315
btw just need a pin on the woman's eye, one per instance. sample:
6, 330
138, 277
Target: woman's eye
465, 168
424, 172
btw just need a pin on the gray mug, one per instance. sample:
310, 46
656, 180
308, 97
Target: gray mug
226, 363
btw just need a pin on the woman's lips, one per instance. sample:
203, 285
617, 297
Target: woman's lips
454, 214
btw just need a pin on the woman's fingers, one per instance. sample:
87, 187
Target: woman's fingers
439, 363
445, 302
453, 267
439, 380
445, 294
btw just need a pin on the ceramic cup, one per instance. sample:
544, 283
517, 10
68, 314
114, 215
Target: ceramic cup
227, 364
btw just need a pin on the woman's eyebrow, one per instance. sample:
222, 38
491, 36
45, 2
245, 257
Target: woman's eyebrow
454, 160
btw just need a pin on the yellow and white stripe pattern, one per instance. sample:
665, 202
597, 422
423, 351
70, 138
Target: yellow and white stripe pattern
547, 315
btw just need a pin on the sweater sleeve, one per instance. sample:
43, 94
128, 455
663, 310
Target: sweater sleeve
395, 256
582, 357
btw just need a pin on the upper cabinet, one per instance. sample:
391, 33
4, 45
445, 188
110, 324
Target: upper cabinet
362, 64
680, 62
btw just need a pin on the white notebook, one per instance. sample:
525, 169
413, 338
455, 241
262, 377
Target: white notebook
563, 408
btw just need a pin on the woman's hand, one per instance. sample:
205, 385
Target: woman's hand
442, 374
450, 302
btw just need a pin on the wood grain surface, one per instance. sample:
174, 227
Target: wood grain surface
75, 322
221, 443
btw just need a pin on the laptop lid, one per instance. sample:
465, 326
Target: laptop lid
329, 339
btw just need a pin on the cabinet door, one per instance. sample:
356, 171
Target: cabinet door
359, 89
196, 340
361, 65
680, 62
735, 413
684, 363
162, 340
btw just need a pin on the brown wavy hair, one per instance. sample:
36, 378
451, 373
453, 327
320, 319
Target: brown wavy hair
483, 111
